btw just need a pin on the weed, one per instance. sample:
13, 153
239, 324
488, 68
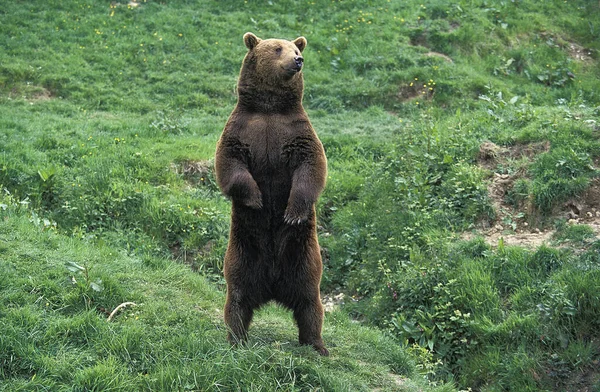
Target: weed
86, 286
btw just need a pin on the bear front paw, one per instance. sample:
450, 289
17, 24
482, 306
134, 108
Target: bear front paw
294, 218
254, 202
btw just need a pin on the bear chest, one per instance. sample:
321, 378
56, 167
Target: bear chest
267, 138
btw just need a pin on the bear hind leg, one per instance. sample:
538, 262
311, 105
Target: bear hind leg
237, 318
309, 319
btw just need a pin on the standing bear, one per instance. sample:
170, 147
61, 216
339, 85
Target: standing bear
272, 165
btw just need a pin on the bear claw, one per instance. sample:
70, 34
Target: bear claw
255, 203
294, 221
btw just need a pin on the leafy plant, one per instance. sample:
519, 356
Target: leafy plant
85, 286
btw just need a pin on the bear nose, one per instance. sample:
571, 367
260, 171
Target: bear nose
299, 61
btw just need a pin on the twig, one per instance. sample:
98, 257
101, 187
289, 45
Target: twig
119, 308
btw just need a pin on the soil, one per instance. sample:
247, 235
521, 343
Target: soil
439, 55
332, 301
579, 53
517, 226
195, 172
416, 90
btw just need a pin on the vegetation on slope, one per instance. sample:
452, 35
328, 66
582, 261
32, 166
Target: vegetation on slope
57, 292
109, 114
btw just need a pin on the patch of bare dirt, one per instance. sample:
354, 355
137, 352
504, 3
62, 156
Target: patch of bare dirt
32, 94
41, 95
491, 155
439, 55
579, 53
416, 90
195, 172
575, 51
515, 224
421, 36
131, 4
332, 301
586, 208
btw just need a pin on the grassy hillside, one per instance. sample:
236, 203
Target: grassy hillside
57, 292
453, 131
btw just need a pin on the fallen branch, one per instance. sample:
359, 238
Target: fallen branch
119, 308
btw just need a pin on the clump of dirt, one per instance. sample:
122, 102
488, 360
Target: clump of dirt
579, 53
195, 172
41, 95
332, 301
491, 157
439, 55
586, 208
575, 51
31, 93
416, 90
131, 4
515, 225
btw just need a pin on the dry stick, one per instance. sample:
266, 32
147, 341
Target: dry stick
119, 308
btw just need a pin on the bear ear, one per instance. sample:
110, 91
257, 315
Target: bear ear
251, 40
300, 42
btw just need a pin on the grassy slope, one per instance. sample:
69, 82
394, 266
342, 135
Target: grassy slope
53, 337
101, 109
93, 137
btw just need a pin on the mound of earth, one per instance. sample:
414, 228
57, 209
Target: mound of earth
514, 225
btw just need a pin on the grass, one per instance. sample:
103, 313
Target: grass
55, 334
109, 115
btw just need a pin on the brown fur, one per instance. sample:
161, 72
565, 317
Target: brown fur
271, 164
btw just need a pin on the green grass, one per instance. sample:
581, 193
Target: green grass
109, 116
55, 334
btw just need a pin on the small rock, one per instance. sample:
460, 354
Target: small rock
573, 221
525, 224
589, 214
499, 227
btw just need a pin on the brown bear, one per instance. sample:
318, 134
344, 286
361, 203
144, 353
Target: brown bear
271, 164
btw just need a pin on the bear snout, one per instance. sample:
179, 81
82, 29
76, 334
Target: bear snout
299, 60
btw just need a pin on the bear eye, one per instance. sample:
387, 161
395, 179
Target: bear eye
278, 50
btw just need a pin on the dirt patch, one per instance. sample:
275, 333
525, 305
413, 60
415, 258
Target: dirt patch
195, 172
439, 55
575, 51
564, 377
516, 225
416, 90
332, 301
585, 210
530, 240
131, 4
31, 93
491, 155
579, 53
41, 95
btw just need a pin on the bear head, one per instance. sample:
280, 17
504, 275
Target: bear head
274, 61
